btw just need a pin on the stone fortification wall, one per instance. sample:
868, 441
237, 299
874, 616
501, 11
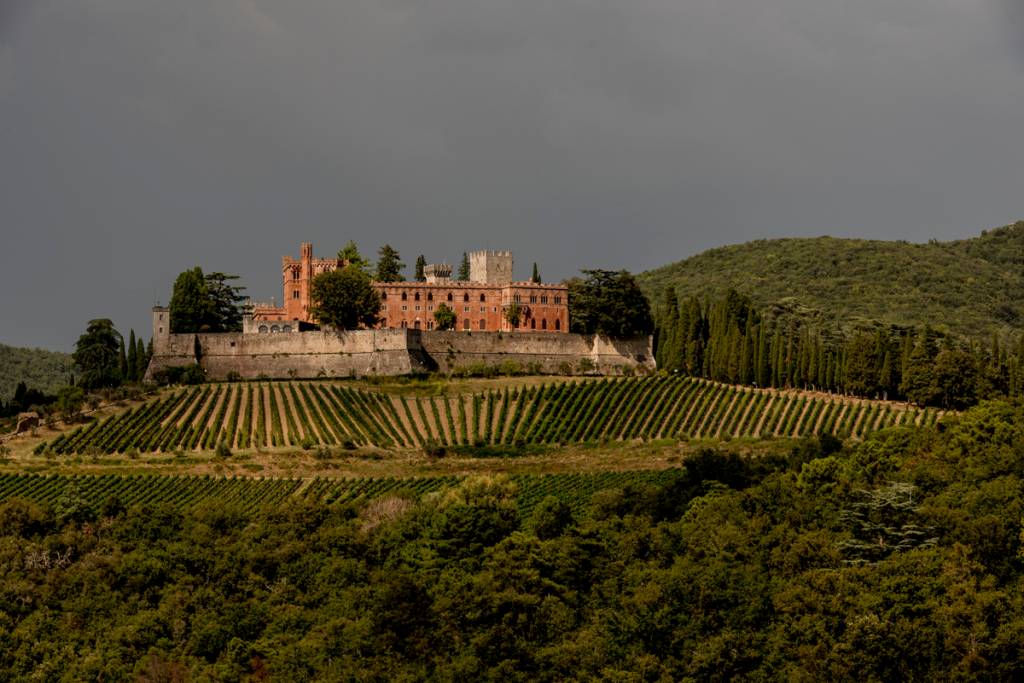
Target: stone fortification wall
395, 352
302, 354
539, 351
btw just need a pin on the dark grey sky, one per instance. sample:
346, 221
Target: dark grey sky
139, 138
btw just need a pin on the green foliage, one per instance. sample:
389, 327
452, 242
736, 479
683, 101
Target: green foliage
819, 566
608, 302
97, 355
970, 288
389, 265
463, 274
513, 312
444, 317
206, 303
421, 263
535, 277
349, 256
45, 371
69, 402
345, 299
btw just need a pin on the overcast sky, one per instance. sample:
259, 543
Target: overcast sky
142, 137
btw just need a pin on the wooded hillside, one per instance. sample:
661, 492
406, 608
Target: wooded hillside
43, 370
968, 287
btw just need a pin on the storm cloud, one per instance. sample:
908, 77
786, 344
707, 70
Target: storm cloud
139, 138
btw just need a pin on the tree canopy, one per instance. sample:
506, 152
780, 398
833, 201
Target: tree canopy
97, 355
345, 299
206, 303
608, 302
389, 265
444, 317
349, 255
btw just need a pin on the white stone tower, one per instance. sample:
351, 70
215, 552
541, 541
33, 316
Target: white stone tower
490, 267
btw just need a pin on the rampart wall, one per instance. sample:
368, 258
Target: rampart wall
363, 353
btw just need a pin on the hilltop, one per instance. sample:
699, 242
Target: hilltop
44, 370
969, 287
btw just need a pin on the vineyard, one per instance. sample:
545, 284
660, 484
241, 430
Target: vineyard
250, 494
307, 414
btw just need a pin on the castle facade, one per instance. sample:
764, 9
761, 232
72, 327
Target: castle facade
480, 304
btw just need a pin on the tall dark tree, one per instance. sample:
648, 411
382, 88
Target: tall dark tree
122, 359
225, 302
389, 265
464, 268
345, 299
132, 366
609, 302
191, 307
421, 264
97, 355
535, 278
141, 360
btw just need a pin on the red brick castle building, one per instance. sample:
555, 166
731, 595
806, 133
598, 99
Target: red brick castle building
479, 303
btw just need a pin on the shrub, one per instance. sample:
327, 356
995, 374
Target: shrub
307, 443
222, 450
432, 448
234, 377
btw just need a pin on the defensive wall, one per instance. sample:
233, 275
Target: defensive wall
362, 353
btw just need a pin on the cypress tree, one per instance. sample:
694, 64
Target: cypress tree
421, 263
131, 373
141, 360
123, 359
464, 268
536, 274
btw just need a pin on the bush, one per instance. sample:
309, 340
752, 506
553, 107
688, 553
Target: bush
234, 377
180, 374
307, 443
222, 450
432, 448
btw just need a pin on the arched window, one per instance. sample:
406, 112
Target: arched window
295, 273
286, 328
384, 296
404, 324
275, 328
483, 324
558, 325
450, 296
483, 298
533, 323
465, 297
405, 296
416, 296
416, 324
430, 296
465, 324
544, 323
264, 329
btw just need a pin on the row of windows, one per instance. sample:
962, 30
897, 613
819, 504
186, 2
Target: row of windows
543, 298
275, 328
533, 299
430, 307
482, 324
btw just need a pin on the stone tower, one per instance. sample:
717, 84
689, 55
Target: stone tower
491, 267
161, 327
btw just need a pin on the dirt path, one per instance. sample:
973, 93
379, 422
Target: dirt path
764, 414
727, 414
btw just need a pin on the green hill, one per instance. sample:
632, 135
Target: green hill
969, 287
39, 369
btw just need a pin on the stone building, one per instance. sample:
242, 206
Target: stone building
479, 303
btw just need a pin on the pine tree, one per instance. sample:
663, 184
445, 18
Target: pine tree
464, 268
421, 263
131, 366
389, 265
535, 278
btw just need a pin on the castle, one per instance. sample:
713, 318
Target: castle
480, 303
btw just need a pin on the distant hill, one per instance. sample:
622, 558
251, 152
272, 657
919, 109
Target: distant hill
970, 287
39, 369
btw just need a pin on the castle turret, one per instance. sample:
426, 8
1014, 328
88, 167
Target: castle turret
490, 267
161, 327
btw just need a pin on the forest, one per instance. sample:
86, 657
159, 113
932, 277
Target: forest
894, 558
730, 340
